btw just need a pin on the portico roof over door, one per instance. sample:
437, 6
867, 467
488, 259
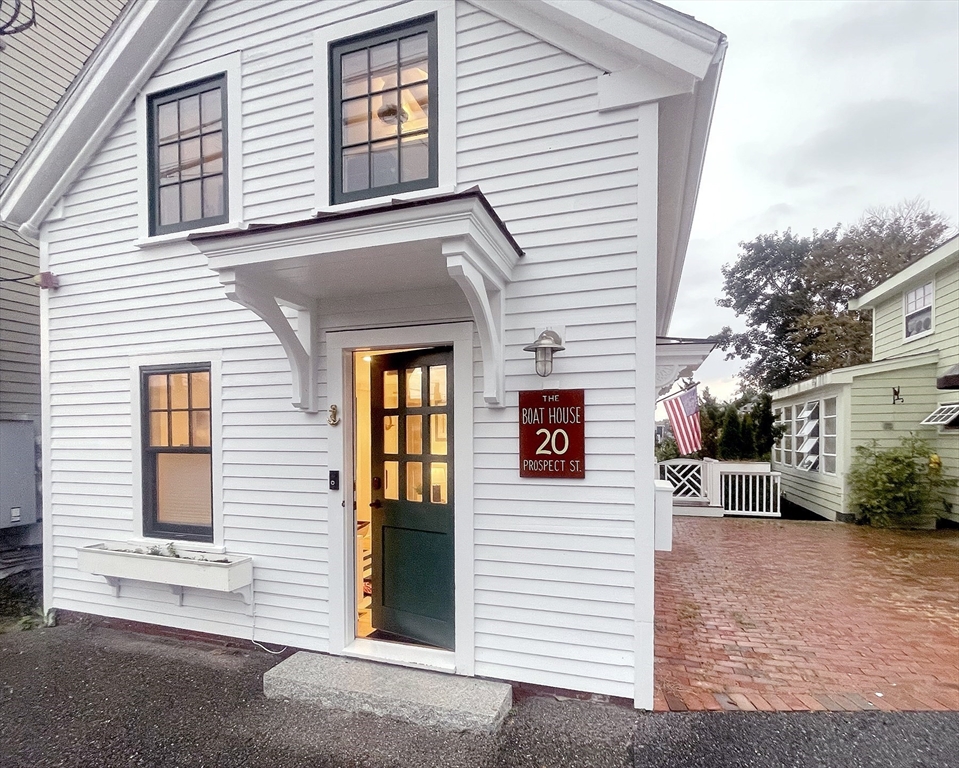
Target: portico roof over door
401, 246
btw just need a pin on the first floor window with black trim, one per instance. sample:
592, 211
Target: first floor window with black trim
186, 136
383, 106
177, 454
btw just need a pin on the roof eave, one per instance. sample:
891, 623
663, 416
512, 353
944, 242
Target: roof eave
91, 107
842, 376
671, 263
922, 268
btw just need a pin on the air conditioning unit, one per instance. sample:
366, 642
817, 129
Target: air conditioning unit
18, 478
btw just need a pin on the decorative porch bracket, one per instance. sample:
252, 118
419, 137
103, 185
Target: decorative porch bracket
484, 292
267, 265
301, 345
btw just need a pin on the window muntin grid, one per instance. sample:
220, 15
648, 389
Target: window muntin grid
177, 452
829, 435
942, 415
918, 310
187, 138
384, 112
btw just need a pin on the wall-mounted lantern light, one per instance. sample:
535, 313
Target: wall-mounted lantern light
544, 347
895, 396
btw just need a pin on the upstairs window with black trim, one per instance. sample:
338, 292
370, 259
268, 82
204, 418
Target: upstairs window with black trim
384, 112
186, 134
918, 310
177, 453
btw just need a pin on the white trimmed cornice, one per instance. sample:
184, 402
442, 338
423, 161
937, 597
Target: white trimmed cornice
847, 375
675, 361
617, 35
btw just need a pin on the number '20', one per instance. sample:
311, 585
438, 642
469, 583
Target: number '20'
551, 439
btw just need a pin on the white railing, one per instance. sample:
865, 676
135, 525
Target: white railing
749, 488
689, 478
736, 487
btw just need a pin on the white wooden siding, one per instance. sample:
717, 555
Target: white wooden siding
564, 179
554, 561
36, 66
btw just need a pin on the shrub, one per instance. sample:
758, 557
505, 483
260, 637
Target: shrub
896, 486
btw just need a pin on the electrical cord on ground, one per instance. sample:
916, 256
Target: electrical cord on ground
263, 647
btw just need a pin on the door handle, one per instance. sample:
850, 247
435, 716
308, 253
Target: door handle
376, 504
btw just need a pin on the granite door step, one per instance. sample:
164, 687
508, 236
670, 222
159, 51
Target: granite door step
414, 695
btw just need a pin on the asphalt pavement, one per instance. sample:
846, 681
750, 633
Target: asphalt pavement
89, 697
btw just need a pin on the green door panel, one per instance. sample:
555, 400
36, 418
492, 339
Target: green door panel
412, 515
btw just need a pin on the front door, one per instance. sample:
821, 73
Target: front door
411, 415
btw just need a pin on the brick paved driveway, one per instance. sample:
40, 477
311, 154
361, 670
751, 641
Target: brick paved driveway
791, 615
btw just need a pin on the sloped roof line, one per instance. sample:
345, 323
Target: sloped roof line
921, 267
147, 30
130, 51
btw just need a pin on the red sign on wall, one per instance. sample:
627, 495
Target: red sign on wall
552, 433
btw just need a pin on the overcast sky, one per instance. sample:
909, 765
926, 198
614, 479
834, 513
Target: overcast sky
825, 109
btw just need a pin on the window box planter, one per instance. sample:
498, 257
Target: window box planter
220, 573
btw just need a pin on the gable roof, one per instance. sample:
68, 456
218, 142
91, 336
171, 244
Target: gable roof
922, 269
648, 51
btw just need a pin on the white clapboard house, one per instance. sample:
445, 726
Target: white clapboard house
302, 248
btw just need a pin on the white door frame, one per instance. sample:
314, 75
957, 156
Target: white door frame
340, 346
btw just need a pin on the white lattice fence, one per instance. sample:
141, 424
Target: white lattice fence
686, 477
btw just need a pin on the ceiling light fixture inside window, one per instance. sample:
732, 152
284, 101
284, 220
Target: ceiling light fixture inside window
392, 114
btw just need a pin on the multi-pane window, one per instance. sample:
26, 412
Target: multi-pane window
829, 423
807, 437
946, 416
778, 445
918, 310
383, 109
177, 454
787, 438
187, 156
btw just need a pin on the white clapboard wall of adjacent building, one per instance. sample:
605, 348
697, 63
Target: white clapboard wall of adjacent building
562, 570
36, 67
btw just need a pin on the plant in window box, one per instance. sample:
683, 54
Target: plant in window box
898, 487
167, 565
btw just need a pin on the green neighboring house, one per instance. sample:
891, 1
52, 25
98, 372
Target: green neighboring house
912, 385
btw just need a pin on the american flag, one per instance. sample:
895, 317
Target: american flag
683, 413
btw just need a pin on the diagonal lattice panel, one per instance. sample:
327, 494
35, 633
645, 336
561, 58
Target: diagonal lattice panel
686, 479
